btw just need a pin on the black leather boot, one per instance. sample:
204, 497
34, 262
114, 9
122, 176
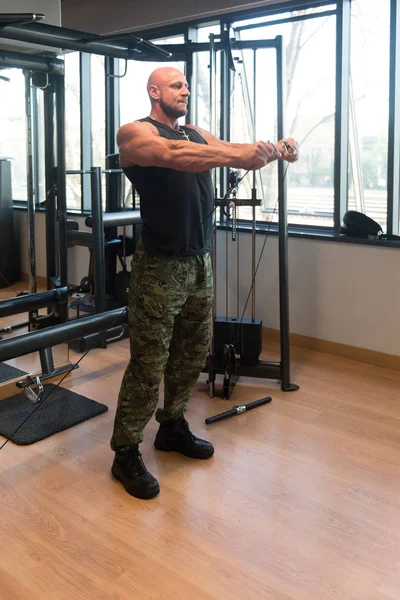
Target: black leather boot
175, 436
128, 467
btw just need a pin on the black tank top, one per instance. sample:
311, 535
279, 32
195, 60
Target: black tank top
176, 207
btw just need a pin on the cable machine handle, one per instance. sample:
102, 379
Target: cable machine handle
237, 410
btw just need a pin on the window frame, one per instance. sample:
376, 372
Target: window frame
225, 19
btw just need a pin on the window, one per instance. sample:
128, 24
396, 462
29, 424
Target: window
88, 97
254, 117
73, 129
39, 165
309, 40
310, 111
200, 94
369, 97
13, 137
98, 111
203, 32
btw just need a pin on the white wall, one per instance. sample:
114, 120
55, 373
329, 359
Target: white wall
339, 292
98, 16
78, 257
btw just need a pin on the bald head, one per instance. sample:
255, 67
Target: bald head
168, 91
163, 76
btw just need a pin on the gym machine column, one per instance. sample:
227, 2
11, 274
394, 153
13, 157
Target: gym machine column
237, 342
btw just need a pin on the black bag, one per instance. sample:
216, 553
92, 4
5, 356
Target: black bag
358, 225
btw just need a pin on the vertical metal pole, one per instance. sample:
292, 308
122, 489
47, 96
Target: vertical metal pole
237, 270
61, 188
394, 122
225, 115
86, 133
213, 72
113, 197
354, 153
51, 212
190, 34
214, 252
343, 15
30, 191
224, 120
46, 361
283, 228
111, 66
223, 171
98, 240
226, 274
213, 131
253, 230
113, 204
36, 163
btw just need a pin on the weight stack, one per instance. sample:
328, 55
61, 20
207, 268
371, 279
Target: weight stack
244, 334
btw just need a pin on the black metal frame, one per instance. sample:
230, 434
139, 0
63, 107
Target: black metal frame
31, 203
127, 47
112, 104
151, 33
51, 183
61, 187
86, 132
104, 245
326, 13
32, 302
31, 62
98, 242
268, 369
122, 47
61, 334
393, 216
225, 122
342, 111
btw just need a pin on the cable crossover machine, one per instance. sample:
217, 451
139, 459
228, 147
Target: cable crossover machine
236, 341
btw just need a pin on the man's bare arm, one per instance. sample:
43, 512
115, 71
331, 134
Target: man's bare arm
280, 146
140, 144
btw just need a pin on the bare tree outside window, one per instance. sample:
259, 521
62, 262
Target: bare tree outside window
310, 108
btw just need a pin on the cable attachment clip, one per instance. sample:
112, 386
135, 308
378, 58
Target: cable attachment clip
227, 204
34, 396
289, 148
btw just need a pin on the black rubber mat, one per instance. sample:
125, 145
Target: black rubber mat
7, 372
58, 410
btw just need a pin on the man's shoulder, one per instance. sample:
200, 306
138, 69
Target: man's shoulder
136, 128
196, 128
206, 135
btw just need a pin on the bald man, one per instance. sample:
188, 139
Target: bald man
171, 287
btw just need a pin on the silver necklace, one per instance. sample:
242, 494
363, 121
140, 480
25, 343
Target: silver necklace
185, 135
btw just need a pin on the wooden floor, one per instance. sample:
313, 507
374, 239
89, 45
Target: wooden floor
300, 502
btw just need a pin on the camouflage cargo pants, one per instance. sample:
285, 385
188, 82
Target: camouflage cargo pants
170, 309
